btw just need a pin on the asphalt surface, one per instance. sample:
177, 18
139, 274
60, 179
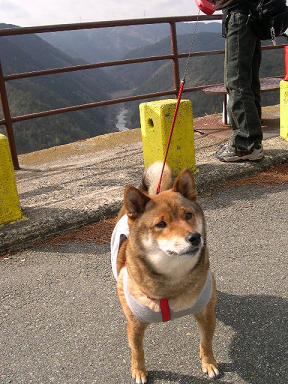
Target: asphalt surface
61, 322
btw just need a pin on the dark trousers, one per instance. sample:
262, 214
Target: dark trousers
242, 63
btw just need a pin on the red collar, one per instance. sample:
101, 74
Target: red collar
165, 309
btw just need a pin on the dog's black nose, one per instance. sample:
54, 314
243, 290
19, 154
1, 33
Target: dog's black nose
194, 238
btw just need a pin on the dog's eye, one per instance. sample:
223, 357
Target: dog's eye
188, 215
161, 224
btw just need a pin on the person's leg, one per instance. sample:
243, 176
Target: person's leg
242, 62
256, 78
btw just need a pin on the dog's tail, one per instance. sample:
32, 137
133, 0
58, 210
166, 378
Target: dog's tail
151, 178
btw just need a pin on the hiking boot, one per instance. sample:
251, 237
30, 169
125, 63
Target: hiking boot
228, 153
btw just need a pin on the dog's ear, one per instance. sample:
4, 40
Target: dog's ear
185, 184
135, 202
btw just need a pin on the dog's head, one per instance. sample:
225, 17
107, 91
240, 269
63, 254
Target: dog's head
168, 229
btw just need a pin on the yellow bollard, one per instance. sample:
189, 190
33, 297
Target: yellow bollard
284, 109
9, 201
156, 118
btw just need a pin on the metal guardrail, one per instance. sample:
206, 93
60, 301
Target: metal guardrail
174, 56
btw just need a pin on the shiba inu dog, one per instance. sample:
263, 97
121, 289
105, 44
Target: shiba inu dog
160, 261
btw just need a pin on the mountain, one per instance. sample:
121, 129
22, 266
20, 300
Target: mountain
107, 44
31, 53
155, 77
137, 74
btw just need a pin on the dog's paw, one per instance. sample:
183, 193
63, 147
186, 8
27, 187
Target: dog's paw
139, 376
211, 369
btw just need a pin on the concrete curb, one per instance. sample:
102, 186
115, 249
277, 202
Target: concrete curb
214, 174
26, 232
211, 175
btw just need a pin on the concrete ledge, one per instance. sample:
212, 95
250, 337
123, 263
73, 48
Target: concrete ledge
80, 148
213, 173
66, 194
21, 235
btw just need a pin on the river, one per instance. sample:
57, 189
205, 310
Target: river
121, 120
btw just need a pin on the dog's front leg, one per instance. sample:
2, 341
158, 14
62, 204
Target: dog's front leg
136, 340
207, 321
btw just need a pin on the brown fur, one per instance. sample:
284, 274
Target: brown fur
146, 283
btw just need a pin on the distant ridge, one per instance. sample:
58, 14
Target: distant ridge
115, 43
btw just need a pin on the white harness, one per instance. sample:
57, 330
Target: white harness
140, 311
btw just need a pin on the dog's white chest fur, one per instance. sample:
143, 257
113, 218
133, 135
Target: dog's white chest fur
173, 266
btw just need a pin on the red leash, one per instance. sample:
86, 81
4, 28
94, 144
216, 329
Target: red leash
171, 133
164, 303
178, 100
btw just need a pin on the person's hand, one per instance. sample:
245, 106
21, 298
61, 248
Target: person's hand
206, 6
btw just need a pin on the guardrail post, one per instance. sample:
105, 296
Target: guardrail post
10, 209
173, 35
8, 119
156, 118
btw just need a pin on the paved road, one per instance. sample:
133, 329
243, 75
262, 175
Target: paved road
61, 323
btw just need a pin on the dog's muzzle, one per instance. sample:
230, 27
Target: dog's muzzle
194, 239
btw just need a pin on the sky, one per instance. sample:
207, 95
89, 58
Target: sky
40, 12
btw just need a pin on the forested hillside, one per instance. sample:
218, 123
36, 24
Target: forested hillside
154, 77
30, 53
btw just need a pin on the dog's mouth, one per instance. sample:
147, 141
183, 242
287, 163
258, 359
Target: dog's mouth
191, 251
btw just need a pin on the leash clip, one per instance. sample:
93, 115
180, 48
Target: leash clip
273, 36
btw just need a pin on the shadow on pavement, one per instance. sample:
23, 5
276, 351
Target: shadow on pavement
156, 376
258, 350
245, 193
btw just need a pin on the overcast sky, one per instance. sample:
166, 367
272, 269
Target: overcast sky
39, 12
